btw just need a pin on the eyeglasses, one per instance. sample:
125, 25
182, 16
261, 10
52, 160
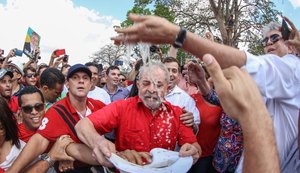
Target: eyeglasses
31, 75
28, 109
273, 38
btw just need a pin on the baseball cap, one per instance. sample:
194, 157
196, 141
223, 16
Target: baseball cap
163, 161
18, 65
4, 72
78, 67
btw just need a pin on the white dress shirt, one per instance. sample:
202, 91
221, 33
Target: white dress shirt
278, 79
180, 98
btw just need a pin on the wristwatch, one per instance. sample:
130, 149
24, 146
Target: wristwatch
47, 158
180, 38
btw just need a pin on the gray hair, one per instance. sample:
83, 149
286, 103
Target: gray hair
271, 26
153, 66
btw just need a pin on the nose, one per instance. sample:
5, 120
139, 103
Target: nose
34, 111
152, 88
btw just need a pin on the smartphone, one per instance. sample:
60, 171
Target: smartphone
118, 62
60, 52
18, 52
285, 30
100, 69
66, 58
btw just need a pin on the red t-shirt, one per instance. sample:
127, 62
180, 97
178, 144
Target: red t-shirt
24, 133
53, 125
137, 129
209, 128
13, 104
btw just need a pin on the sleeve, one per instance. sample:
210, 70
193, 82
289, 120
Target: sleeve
191, 107
52, 126
276, 77
107, 118
212, 97
185, 134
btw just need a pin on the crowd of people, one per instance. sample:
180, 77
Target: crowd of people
229, 110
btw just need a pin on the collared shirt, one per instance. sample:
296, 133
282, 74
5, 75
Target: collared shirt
119, 94
53, 125
20, 89
180, 98
278, 80
13, 104
138, 129
99, 94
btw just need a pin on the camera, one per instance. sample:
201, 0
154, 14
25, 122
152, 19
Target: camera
153, 48
66, 58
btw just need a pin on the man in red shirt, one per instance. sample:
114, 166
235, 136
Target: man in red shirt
6, 89
61, 118
32, 110
143, 122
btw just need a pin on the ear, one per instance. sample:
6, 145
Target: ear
67, 84
45, 88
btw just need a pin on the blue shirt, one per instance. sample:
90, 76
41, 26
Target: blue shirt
119, 94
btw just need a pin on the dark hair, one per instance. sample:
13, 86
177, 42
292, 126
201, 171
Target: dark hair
113, 67
41, 66
50, 77
170, 59
91, 64
134, 90
138, 65
9, 123
28, 68
65, 66
29, 90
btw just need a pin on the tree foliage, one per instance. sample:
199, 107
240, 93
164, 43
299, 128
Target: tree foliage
108, 54
200, 16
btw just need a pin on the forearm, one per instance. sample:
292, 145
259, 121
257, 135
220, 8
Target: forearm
259, 143
204, 87
41, 166
198, 46
87, 133
82, 153
35, 146
225, 55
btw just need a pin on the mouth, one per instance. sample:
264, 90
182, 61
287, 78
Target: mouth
80, 88
36, 119
271, 50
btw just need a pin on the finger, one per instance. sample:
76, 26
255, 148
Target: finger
136, 18
290, 22
129, 156
101, 158
215, 71
138, 158
188, 122
292, 42
146, 157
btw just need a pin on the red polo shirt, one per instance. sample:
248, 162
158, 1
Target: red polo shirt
53, 125
137, 129
25, 134
210, 127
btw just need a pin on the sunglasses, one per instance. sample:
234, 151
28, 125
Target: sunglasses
273, 38
28, 109
123, 80
31, 75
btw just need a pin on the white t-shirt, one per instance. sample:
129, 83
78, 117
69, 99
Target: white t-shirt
99, 94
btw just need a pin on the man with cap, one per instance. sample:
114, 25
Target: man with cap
6, 89
17, 68
61, 118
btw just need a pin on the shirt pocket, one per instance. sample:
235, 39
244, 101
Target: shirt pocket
135, 139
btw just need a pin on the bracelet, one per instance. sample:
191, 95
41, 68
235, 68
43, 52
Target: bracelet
47, 158
180, 38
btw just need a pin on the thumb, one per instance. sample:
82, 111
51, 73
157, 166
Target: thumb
292, 42
214, 70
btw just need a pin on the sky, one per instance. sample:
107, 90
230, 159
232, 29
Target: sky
80, 26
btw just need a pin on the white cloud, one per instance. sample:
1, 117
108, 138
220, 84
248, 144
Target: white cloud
59, 23
295, 3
